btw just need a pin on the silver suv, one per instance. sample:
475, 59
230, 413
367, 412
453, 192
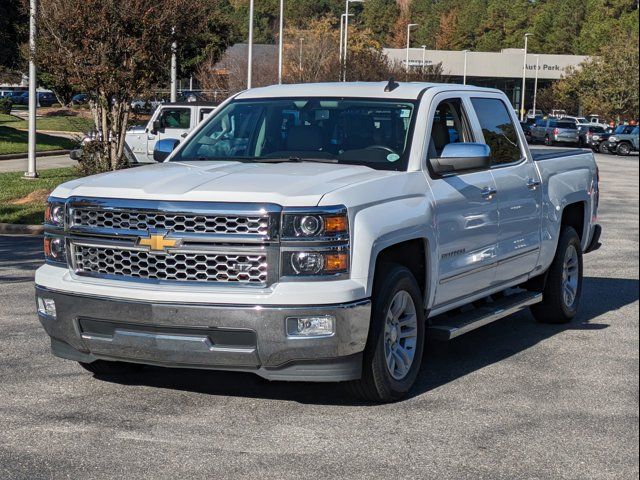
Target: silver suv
553, 131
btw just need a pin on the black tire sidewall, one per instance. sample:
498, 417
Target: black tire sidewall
395, 278
553, 290
626, 150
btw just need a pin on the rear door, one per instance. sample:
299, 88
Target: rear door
466, 210
519, 192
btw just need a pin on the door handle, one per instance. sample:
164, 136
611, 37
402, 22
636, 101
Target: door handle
533, 184
488, 193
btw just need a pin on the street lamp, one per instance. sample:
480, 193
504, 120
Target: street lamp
535, 85
33, 93
174, 68
464, 71
409, 27
281, 42
300, 65
342, 17
424, 52
250, 49
524, 74
346, 36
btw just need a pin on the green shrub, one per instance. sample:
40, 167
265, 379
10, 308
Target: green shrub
5, 106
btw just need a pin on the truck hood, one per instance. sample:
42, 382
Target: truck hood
287, 184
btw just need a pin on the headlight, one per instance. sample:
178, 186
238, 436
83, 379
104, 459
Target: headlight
314, 263
330, 224
55, 249
54, 213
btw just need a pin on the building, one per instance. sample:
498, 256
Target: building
501, 70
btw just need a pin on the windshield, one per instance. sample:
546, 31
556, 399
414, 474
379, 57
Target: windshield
374, 133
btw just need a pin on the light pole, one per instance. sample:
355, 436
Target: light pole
464, 71
281, 42
535, 85
409, 27
33, 93
300, 65
250, 49
424, 53
174, 68
346, 36
524, 74
342, 17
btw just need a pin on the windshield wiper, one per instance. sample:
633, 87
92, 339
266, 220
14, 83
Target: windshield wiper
296, 160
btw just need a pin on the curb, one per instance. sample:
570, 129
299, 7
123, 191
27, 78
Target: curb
15, 229
55, 133
50, 153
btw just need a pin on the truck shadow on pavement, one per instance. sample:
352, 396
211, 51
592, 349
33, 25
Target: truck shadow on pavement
443, 362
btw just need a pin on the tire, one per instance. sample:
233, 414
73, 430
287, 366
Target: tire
557, 306
602, 148
547, 141
104, 367
392, 291
623, 149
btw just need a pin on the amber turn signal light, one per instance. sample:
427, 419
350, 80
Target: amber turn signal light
336, 262
335, 224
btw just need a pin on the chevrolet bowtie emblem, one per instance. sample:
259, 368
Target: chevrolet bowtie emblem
157, 242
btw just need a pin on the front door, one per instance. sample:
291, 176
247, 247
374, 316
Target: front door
519, 190
466, 212
174, 123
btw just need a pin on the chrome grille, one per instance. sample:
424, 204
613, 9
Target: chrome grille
179, 266
175, 222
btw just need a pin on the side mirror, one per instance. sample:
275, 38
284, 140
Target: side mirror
164, 148
156, 127
461, 157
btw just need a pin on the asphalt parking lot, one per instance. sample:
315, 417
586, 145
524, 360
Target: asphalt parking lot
514, 399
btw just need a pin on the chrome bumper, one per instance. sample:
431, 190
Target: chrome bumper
219, 337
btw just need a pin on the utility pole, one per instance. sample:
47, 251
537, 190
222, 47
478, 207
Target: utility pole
281, 42
33, 93
250, 53
174, 68
409, 27
524, 75
424, 55
300, 59
340, 56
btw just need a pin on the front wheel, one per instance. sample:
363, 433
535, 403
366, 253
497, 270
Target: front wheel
395, 344
624, 149
563, 287
602, 148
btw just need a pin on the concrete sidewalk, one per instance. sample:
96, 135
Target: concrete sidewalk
42, 163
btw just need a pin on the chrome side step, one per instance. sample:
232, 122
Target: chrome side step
447, 327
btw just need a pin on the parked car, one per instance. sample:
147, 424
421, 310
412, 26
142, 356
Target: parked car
80, 99
558, 113
554, 131
170, 120
318, 232
16, 97
578, 120
527, 125
597, 120
148, 105
531, 114
45, 99
592, 136
624, 142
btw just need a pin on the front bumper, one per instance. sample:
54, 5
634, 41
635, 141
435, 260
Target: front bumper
220, 337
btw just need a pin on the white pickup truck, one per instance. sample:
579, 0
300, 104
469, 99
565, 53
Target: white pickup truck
319, 233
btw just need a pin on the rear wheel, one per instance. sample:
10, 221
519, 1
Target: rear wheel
105, 367
563, 287
396, 338
623, 149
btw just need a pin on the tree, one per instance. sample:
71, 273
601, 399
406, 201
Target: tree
12, 33
115, 50
379, 16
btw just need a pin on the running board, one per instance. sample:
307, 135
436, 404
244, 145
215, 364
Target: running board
445, 327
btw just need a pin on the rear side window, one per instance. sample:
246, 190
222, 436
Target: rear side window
569, 125
498, 129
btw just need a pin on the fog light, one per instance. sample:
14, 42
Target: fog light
307, 263
311, 326
47, 306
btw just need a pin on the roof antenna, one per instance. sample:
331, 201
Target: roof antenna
392, 85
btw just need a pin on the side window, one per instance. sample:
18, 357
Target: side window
204, 112
450, 125
175, 118
498, 129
